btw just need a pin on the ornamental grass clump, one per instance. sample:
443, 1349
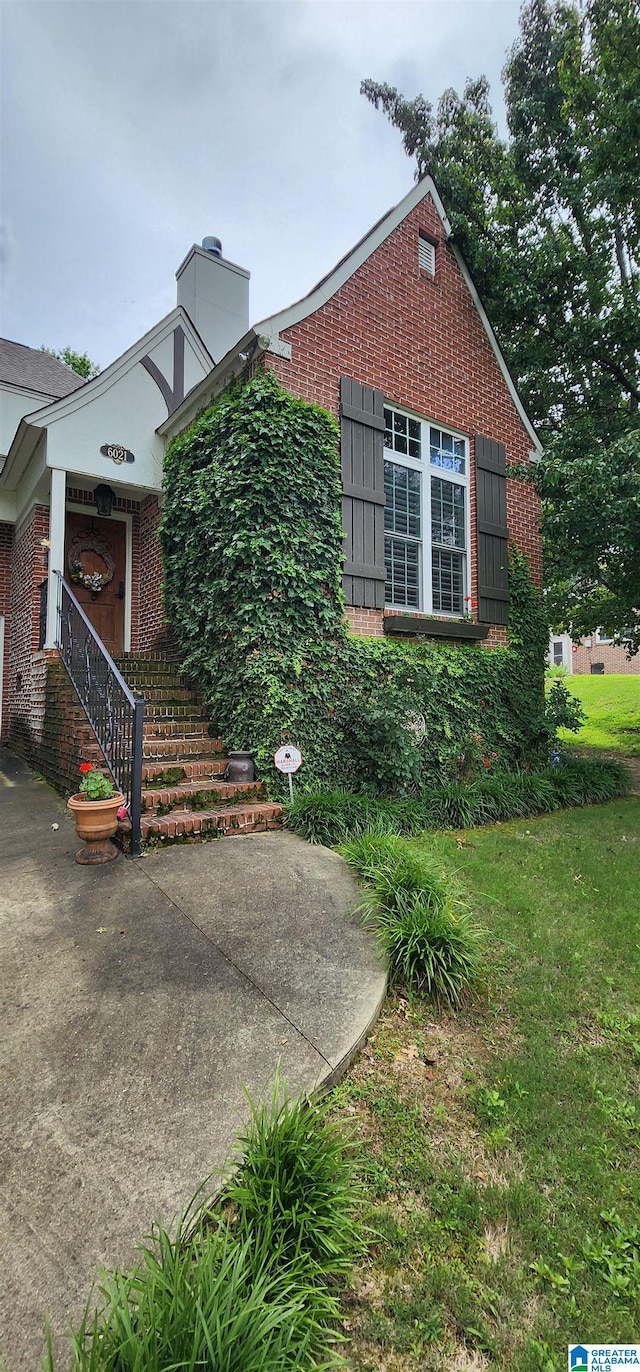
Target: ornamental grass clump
295, 1189
250, 1282
200, 1301
332, 817
426, 930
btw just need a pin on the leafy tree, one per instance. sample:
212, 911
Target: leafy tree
592, 522
78, 362
549, 223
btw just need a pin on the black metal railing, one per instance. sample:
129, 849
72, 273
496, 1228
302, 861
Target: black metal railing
115, 714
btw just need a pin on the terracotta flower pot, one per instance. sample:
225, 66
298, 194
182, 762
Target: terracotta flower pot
96, 823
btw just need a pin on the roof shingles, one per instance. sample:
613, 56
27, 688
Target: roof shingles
35, 370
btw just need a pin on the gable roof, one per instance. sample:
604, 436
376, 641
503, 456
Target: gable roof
265, 336
31, 425
32, 369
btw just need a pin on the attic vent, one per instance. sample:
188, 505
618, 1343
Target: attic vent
426, 255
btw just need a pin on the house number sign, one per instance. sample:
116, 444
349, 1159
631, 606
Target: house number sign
117, 453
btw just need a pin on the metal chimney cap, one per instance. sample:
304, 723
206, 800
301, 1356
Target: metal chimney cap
212, 245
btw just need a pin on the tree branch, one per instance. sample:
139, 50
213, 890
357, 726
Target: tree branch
627, 384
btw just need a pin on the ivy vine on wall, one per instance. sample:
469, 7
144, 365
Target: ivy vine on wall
252, 546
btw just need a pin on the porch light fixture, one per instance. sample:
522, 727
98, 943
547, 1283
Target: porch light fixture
105, 500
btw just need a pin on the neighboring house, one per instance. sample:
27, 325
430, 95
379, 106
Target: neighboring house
598, 654
394, 342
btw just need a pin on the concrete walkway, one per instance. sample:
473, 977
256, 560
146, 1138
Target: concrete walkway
135, 999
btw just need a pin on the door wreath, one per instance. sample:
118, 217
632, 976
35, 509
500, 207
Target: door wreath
89, 542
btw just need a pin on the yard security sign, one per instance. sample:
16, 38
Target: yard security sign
288, 759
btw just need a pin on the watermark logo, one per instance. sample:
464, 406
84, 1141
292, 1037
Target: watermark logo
592, 1357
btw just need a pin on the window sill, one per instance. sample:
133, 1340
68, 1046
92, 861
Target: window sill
394, 623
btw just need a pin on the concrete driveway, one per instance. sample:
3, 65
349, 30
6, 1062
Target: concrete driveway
135, 1001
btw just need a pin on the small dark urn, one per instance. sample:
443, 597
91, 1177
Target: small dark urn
240, 768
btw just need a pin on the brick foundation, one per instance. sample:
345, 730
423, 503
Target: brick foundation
365, 623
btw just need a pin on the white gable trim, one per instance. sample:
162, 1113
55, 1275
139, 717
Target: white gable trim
495, 346
111, 374
350, 264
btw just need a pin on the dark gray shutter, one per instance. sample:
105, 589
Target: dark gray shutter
362, 454
491, 525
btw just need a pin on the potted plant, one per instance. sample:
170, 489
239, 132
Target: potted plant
95, 808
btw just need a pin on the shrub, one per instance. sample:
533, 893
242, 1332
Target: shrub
332, 817
563, 710
425, 929
555, 671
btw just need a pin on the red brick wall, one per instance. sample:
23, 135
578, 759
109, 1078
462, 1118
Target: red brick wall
6, 549
419, 339
365, 623
62, 736
154, 632
614, 659
28, 569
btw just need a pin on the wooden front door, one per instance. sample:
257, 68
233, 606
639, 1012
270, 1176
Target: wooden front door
95, 549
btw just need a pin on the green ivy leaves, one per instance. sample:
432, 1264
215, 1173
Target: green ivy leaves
253, 544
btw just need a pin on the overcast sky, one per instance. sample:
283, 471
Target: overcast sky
132, 128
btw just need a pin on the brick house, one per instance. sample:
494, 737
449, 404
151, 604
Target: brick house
596, 655
394, 342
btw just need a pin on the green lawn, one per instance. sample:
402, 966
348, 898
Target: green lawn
501, 1160
612, 706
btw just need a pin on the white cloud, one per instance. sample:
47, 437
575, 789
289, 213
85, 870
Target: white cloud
133, 129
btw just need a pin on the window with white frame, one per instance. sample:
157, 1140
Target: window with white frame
426, 516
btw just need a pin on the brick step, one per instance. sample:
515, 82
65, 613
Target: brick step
180, 712
176, 728
205, 770
148, 681
139, 662
182, 796
175, 751
159, 655
188, 825
171, 695
156, 673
